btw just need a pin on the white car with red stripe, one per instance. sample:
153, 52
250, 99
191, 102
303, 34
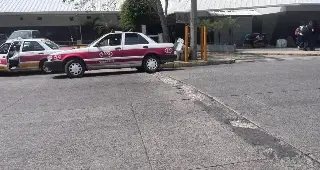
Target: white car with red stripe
113, 50
31, 54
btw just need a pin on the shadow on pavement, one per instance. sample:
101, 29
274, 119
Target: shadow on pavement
64, 76
19, 74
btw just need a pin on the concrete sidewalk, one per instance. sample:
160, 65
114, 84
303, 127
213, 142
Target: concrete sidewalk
273, 51
278, 51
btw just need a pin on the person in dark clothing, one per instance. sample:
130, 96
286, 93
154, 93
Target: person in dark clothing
310, 34
313, 26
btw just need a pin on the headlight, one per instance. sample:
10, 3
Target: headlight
49, 58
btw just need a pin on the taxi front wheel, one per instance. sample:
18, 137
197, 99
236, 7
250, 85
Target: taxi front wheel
75, 69
151, 64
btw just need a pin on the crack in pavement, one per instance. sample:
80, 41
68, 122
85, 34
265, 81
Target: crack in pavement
233, 163
139, 130
31, 91
270, 146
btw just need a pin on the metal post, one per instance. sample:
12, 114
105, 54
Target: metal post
160, 38
201, 41
186, 42
144, 29
205, 43
193, 29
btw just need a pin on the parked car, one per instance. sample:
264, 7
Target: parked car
3, 38
24, 34
113, 50
31, 53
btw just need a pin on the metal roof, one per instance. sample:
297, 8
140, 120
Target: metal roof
234, 13
213, 5
57, 6
54, 6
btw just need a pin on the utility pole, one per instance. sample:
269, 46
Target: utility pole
193, 29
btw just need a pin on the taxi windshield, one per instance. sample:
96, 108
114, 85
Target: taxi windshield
25, 34
22, 34
95, 41
51, 44
4, 48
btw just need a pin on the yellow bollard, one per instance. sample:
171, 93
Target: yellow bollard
186, 42
201, 41
205, 43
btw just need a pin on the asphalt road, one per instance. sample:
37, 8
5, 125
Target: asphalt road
259, 115
280, 95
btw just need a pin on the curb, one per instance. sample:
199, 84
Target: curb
178, 64
245, 61
268, 53
288, 54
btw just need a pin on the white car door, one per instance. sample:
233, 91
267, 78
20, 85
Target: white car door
134, 48
106, 52
31, 54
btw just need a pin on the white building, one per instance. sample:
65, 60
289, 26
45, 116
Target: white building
55, 19
61, 21
277, 18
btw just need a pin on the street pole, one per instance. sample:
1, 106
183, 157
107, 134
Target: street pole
193, 29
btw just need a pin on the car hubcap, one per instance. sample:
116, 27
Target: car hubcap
46, 69
152, 64
75, 69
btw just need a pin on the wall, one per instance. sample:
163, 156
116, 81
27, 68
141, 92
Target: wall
51, 19
244, 27
58, 28
268, 24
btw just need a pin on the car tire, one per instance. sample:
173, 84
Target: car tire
44, 69
74, 69
151, 64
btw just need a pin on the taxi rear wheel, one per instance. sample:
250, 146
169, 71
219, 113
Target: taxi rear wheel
75, 69
43, 68
151, 64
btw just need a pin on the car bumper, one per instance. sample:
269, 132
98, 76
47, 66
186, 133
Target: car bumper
168, 58
56, 66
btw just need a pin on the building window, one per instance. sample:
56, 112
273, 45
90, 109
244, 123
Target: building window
71, 18
39, 18
21, 18
88, 17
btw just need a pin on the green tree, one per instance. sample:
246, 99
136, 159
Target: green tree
227, 23
87, 5
109, 5
135, 13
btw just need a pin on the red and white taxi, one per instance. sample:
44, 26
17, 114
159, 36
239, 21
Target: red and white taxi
113, 50
30, 53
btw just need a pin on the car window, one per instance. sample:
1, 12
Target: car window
111, 40
51, 44
32, 46
4, 48
134, 38
36, 34
21, 34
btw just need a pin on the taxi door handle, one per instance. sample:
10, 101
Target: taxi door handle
118, 48
40, 53
145, 47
